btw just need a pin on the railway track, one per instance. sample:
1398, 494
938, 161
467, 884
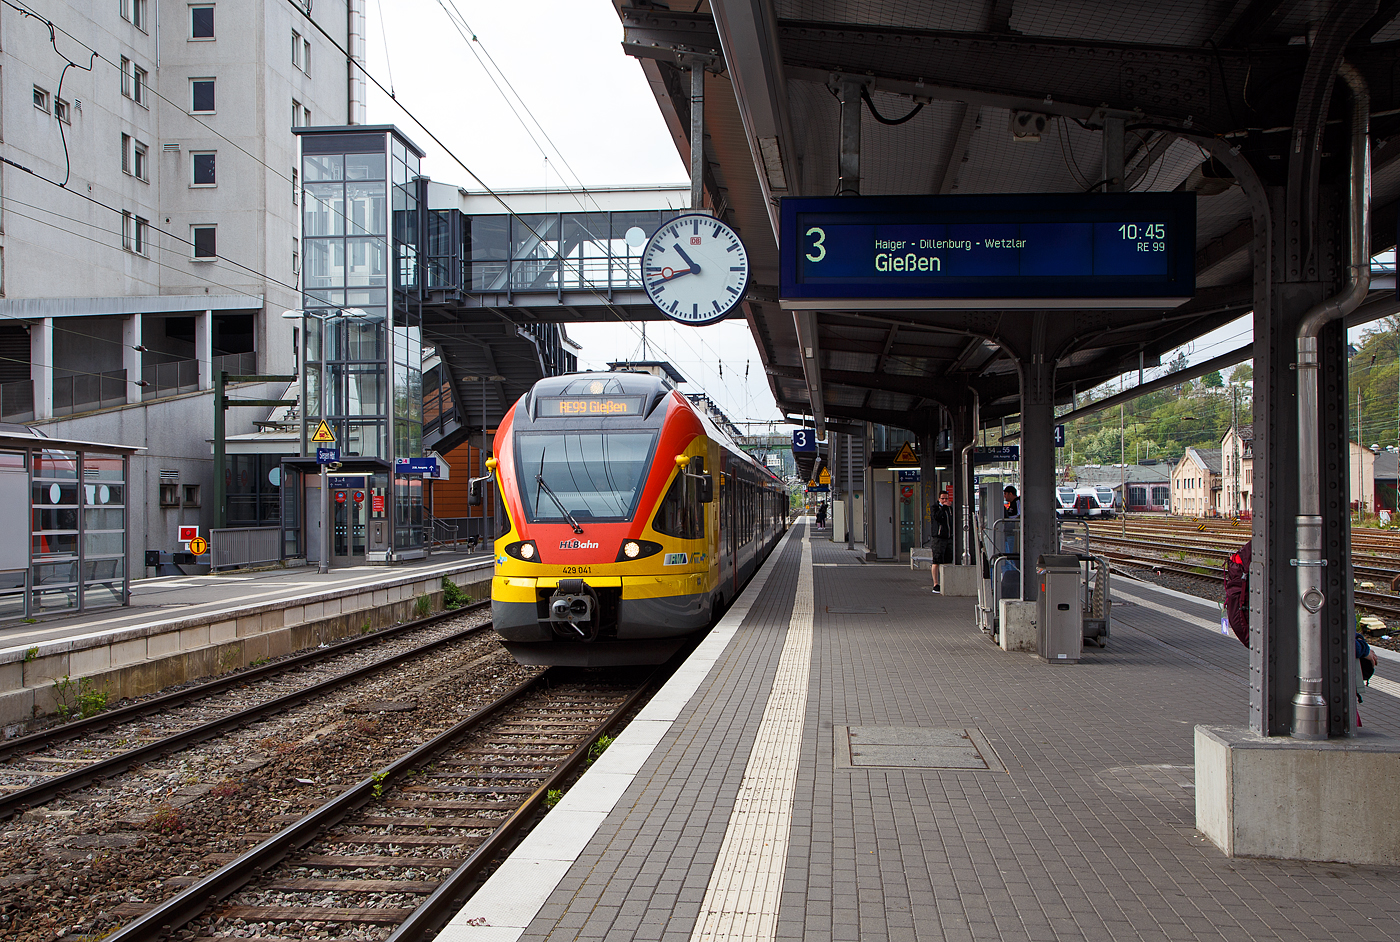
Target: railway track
402, 849
108, 738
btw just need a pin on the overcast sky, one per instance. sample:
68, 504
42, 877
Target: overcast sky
564, 60
559, 69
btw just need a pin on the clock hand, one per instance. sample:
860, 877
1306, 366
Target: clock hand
674, 274
681, 252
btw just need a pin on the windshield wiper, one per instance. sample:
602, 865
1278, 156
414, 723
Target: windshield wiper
539, 479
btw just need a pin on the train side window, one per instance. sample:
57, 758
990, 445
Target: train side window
679, 514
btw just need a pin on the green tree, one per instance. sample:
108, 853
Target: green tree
1243, 373
1212, 380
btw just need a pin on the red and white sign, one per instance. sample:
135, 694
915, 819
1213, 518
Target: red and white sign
376, 503
188, 533
340, 497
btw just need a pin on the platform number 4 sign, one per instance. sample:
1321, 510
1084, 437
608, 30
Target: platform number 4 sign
804, 439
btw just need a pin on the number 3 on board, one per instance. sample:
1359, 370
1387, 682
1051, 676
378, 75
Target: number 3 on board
818, 250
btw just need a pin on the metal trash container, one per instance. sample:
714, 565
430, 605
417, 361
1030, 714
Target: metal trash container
1060, 609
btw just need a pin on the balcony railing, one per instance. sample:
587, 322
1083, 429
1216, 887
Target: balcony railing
17, 401
88, 392
169, 379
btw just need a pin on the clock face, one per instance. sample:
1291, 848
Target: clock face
695, 269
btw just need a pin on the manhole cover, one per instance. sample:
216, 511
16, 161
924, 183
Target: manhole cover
856, 610
914, 747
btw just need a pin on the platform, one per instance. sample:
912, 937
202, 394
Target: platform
178, 628
846, 757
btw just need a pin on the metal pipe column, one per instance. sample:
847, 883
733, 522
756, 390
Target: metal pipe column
1309, 707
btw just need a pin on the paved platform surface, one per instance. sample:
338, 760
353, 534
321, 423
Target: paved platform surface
738, 806
172, 598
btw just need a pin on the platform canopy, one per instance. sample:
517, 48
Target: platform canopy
995, 96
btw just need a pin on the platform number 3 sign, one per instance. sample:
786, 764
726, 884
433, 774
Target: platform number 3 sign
804, 439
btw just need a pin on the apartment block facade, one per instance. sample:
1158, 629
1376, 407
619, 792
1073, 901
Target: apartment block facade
149, 234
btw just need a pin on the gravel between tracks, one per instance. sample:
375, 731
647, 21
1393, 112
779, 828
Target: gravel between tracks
64, 867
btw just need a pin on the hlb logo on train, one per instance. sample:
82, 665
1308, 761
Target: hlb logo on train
577, 544
675, 559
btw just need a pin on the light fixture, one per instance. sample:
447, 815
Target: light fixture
631, 548
527, 550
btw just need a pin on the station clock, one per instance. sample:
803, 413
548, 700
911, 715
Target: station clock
695, 269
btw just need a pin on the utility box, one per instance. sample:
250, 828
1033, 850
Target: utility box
1060, 609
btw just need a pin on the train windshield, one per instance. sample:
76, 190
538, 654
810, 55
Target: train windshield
594, 475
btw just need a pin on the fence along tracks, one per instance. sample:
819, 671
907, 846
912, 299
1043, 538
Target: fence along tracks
453, 804
23, 748
1201, 547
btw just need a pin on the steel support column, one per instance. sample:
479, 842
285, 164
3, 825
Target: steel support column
1037, 458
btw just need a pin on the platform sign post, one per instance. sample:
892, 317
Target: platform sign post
323, 437
804, 441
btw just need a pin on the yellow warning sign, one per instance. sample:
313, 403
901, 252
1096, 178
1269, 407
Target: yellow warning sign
906, 455
199, 546
824, 477
323, 434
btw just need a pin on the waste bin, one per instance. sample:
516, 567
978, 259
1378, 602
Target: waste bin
1060, 609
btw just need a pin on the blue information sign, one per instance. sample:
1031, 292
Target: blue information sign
997, 454
416, 466
1105, 250
908, 476
1059, 436
327, 455
804, 440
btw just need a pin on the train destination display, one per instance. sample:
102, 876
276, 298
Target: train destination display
1005, 250
550, 407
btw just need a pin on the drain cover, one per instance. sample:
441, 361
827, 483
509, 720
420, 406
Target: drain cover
914, 747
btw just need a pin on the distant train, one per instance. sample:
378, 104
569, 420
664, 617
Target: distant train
1085, 501
627, 521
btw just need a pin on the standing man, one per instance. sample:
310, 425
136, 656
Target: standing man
941, 543
1013, 503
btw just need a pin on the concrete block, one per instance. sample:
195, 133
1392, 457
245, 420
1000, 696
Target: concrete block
45, 670
130, 652
381, 598
273, 619
294, 615
89, 661
223, 631
313, 611
960, 581
278, 643
1274, 796
11, 675
249, 626
1017, 620
16, 706
191, 638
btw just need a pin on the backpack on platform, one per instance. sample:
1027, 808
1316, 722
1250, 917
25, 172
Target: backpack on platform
1237, 591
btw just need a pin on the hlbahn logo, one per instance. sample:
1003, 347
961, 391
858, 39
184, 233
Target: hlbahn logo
675, 559
577, 544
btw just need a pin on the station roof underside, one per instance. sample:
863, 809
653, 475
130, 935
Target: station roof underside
1173, 69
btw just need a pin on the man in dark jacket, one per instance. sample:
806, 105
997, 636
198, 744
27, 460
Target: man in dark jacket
1237, 591
941, 543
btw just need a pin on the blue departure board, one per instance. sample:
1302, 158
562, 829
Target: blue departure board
1003, 250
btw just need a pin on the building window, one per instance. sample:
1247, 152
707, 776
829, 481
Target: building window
170, 495
296, 187
191, 495
296, 113
202, 95
41, 100
138, 85
126, 153
126, 76
138, 14
296, 257
296, 49
306, 55
61, 111
204, 243
140, 162
201, 22
202, 165
143, 236
306, 117
128, 231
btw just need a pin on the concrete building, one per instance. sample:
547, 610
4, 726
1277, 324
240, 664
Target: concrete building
1237, 471
1196, 483
172, 250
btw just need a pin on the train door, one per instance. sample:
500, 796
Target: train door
349, 513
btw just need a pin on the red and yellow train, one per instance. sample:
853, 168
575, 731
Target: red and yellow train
627, 521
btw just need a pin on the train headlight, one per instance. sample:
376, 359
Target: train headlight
637, 549
525, 550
